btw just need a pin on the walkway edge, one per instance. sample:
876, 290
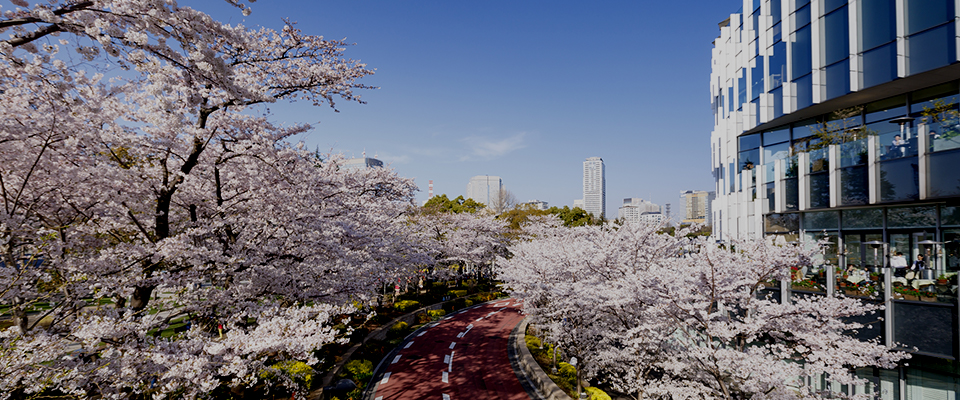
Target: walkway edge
531, 369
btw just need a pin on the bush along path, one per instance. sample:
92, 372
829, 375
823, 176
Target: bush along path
565, 374
368, 346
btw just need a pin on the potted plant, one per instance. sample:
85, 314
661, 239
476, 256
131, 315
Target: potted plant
875, 276
807, 285
943, 279
850, 289
928, 296
907, 293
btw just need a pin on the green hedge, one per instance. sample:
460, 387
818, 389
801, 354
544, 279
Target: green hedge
596, 394
407, 305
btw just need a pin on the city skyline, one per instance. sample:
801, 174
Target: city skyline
442, 69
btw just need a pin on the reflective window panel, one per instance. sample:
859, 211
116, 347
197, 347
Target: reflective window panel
864, 218
878, 23
854, 186
942, 177
931, 49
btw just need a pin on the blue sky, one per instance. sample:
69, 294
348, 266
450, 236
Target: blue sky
525, 90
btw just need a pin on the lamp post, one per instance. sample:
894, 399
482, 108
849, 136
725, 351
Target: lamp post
903, 121
932, 258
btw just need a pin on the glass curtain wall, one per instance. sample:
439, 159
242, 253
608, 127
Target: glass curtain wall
899, 166
777, 59
749, 160
802, 55
936, 110
776, 147
930, 34
835, 48
877, 41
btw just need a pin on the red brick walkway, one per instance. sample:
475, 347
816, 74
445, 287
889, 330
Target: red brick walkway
471, 347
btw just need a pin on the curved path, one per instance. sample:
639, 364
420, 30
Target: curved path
463, 356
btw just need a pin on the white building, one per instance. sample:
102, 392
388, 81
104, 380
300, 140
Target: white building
360, 163
537, 204
485, 189
578, 203
594, 187
636, 210
836, 123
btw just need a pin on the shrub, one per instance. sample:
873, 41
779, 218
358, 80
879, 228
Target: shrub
468, 303
436, 314
360, 370
423, 318
398, 330
596, 394
568, 371
299, 372
533, 342
407, 305
458, 293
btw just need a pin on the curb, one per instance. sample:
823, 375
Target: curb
547, 389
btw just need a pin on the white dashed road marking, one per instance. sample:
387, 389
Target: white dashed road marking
452, 344
410, 343
395, 359
445, 377
386, 377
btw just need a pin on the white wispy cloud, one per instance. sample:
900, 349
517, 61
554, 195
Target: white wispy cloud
487, 148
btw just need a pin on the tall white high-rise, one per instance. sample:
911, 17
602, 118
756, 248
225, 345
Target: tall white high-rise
485, 189
594, 187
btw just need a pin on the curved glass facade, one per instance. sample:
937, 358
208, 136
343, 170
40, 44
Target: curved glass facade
840, 120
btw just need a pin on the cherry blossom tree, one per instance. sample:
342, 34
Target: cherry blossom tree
158, 236
662, 316
462, 238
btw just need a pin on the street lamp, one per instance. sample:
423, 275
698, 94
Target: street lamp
903, 121
933, 270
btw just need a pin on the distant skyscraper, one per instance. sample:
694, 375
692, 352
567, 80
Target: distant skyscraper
697, 206
636, 210
594, 187
537, 204
360, 163
485, 189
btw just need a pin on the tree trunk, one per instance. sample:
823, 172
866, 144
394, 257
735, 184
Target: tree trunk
141, 296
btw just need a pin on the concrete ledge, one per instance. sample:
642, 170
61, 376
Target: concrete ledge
548, 389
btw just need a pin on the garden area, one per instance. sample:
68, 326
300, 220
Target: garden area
562, 373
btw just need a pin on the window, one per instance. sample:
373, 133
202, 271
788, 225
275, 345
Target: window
802, 53
775, 136
835, 48
778, 64
756, 74
931, 38
748, 142
878, 23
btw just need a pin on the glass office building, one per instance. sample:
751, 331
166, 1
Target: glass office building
839, 120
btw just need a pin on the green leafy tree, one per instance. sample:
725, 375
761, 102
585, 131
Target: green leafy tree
574, 216
517, 216
443, 204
